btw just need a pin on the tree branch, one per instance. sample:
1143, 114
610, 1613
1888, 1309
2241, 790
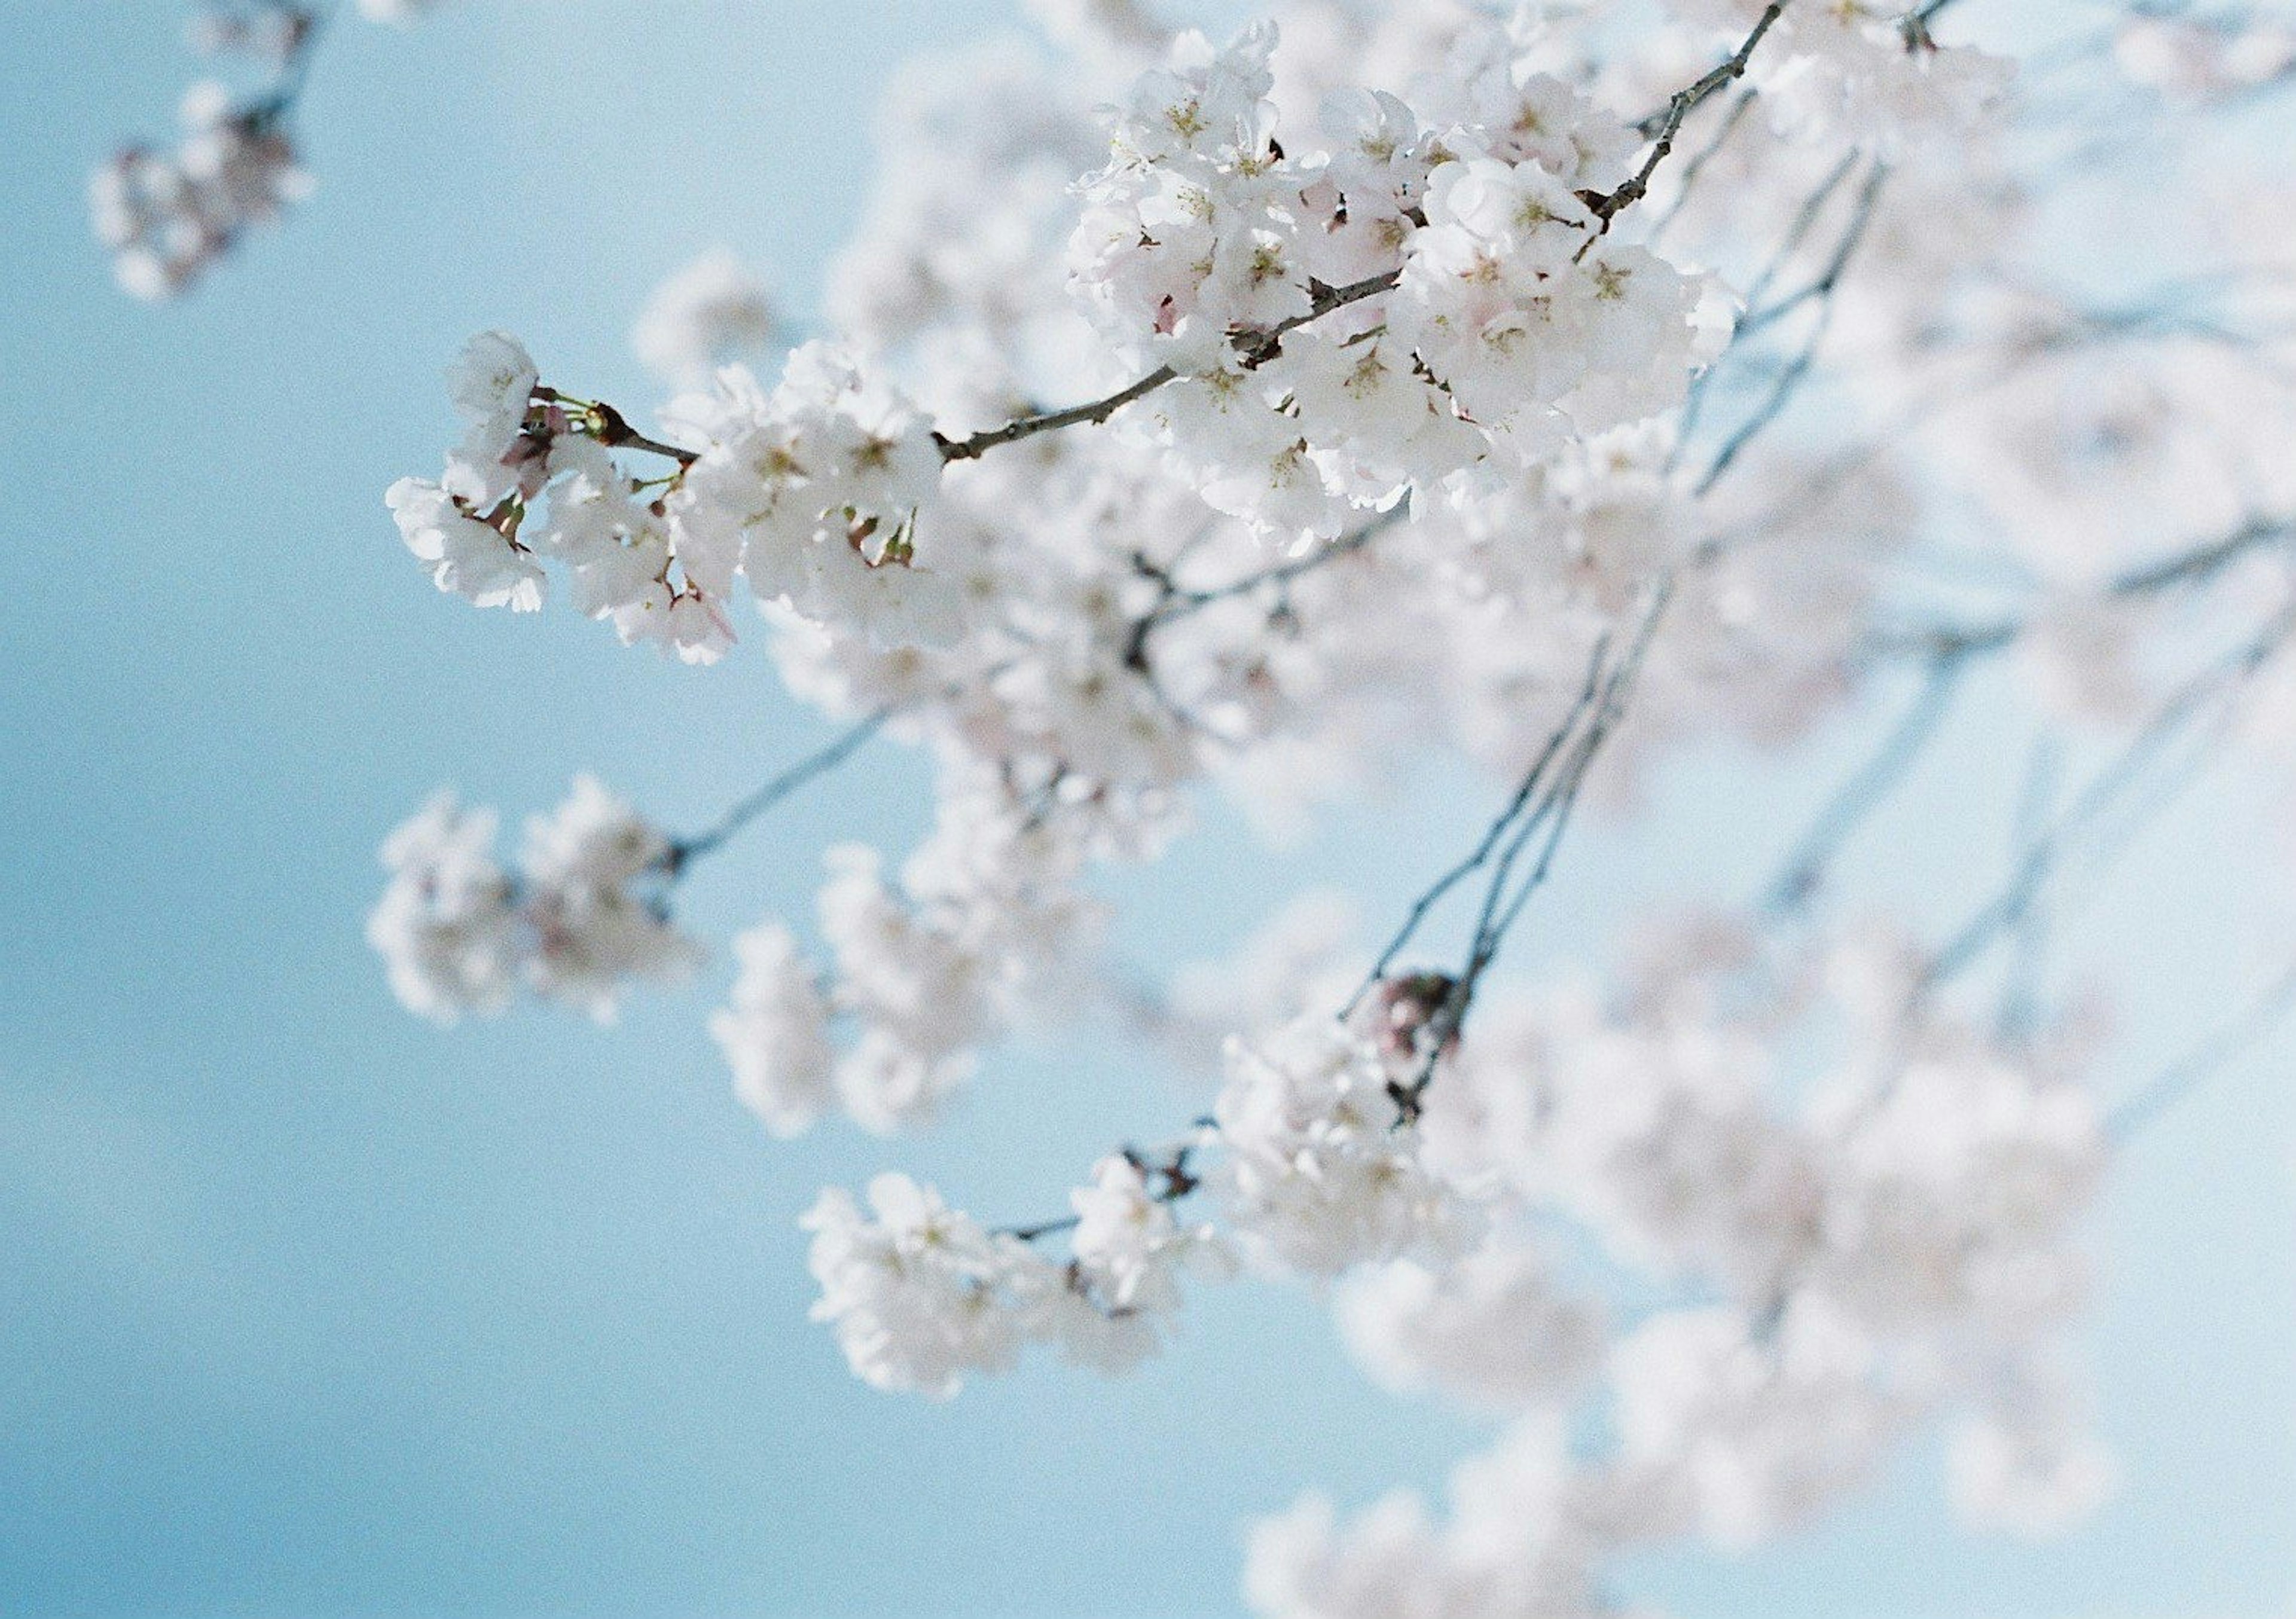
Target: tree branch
684, 851
1255, 348
1871, 784
1666, 124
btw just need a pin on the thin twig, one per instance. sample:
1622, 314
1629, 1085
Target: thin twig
1477, 858
1168, 1167
1551, 816
2020, 984
1789, 380
2182, 1077
1858, 797
1696, 165
1666, 124
2044, 853
684, 851
2193, 565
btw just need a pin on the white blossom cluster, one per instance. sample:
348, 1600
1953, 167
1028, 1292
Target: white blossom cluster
1323, 1172
982, 927
576, 921
1318, 1174
167, 217
916, 995
1512, 324
921, 1296
1898, 1246
813, 493
1870, 72
2201, 58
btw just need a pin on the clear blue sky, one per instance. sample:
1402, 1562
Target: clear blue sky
308, 1309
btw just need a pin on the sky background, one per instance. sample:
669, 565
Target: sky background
308, 1308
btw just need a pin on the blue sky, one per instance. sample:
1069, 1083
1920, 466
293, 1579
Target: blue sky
308, 1309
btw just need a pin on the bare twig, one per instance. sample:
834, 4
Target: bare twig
684, 851
1857, 797
2209, 1058
1548, 821
1663, 125
2045, 852
1696, 165
1517, 803
1790, 380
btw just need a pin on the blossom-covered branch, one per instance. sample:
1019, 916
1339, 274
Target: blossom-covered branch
1433, 409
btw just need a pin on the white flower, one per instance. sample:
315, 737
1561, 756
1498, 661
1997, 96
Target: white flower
491, 382
1513, 1548
1951, 1200
825, 491
1760, 1428
919, 993
1491, 1330
2032, 1480
167, 218
1193, 230
583, 919
589, 866
776, 1033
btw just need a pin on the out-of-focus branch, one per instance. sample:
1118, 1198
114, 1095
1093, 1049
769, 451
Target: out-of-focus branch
684, 851
2203, 1062
1857, 797
2045, 852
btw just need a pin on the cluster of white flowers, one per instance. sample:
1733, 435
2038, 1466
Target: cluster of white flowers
1323, 1170
814, 494
920, 998
921, 1296
820, 493
1494, 1330
1517, 1546
1900, 1246
2197, 58
1318, 1174
1870, 72
980, 927
1447, 288
167, 217
581, 917
2028, 1465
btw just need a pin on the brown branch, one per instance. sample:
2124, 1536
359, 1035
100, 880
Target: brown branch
1666, 124
1255, 347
